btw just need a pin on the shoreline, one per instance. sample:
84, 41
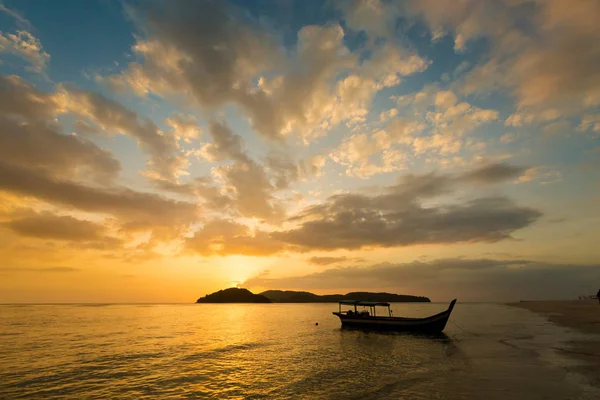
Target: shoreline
579, 315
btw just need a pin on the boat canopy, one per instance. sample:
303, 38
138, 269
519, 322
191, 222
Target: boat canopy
364, 303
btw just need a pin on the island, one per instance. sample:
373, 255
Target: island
289, 296
239, 295
233, 295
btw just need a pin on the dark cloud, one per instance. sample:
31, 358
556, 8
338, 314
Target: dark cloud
283, 170
18, 98
46, 225
38, 145
398, 218
125, 203
466, 279
30, 137
205, 51
212, 54
188, 189
326, 260
395, 217
494, 173
225, 145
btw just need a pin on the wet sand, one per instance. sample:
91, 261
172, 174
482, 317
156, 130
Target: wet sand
582, 316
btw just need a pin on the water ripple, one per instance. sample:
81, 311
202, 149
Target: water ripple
272, 351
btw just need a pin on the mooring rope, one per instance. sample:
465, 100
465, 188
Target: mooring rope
464, 330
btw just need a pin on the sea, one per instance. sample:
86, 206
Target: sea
280, 351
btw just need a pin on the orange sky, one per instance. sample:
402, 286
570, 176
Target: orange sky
420, 147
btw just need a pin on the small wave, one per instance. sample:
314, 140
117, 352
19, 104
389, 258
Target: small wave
11, 334
223, 350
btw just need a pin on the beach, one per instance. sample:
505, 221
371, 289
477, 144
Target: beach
579, 315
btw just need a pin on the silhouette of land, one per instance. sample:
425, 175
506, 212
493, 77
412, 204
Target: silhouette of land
233, 295
289, 296
238, 295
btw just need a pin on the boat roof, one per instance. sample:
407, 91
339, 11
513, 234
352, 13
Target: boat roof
364, 303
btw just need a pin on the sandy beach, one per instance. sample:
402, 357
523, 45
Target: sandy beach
579, 315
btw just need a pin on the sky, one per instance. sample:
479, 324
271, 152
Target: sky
157, 151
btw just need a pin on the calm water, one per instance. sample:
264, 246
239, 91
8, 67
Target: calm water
277, 351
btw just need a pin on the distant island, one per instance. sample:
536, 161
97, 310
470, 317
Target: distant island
238, 295
233, 295
289, 296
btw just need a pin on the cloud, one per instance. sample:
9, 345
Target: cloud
494, 173
225, 237
38, 145
22, 21
225, 145
590, 122
435, 121
386, 115
376, 18
356, 153
467, 279
212, 56
245, 184
29, 137
46, 225
72, 172
398, 217
20, 99
444, 112
543, 52
184, 126
312, 166
518, 119
482, 220
361, 152
206, 52
111, 117
542, 174
129, 205
26, 46
508, 137
248, 186
327, 260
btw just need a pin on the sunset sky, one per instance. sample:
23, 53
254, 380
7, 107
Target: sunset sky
157, 151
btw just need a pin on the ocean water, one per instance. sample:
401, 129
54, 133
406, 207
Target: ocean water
247, 351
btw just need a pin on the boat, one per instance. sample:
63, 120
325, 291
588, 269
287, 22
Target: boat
370, 320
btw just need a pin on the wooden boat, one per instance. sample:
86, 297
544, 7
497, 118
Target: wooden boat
370, 320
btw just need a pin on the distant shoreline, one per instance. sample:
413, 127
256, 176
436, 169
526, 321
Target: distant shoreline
240, 295
580, 315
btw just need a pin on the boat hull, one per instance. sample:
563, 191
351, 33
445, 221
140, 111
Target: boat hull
433, 324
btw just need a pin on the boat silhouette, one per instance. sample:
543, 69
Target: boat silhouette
370, 320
